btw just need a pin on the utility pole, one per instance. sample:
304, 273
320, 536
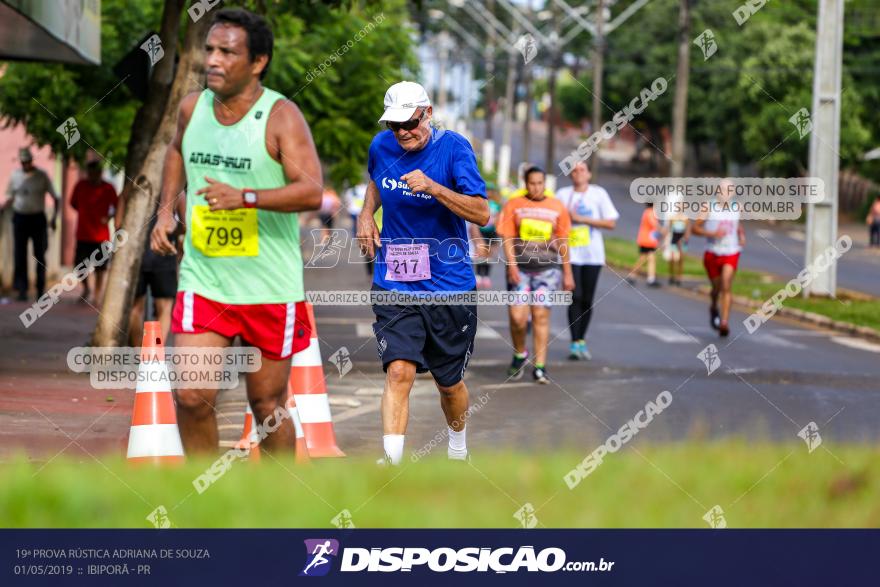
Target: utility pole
527, 135
442, 58
598, 65
507, 128
825, 143
489, 60
555, 57
679, 109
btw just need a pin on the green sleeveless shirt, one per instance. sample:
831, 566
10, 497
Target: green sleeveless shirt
245, 256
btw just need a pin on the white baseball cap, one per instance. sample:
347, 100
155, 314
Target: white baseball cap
401, 101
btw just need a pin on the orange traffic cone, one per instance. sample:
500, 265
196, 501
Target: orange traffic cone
302, 450
306, 384
154, 436
250, 440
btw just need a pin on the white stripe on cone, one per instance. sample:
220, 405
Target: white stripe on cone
153, 377
154, 440
314, 408
309, 356
253, 437
297, 425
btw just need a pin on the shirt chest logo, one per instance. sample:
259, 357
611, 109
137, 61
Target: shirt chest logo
391, 184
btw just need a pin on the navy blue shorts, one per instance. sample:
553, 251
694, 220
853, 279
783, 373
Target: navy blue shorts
437, 338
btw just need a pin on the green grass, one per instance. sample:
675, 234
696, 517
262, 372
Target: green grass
758, 286
756, 485
863, 312
624, 253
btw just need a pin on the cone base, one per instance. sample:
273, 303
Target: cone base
166, 460
325, 452
301, 452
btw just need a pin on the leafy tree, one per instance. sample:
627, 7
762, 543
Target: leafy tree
42, 95
338, 73
741, 98
341, 104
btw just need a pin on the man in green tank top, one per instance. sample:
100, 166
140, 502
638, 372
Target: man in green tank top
246, 157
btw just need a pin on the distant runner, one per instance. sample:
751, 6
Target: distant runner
676, 240
726, 238
591, 211
246, 156
648, 239
535, 229
428, 185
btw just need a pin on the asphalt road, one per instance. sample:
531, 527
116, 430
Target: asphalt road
769, 384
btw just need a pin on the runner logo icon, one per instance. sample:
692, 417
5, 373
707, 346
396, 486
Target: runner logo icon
318, 556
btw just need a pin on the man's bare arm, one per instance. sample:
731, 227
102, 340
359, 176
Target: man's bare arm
699, 228
298, 156
367, 231
596, 222
472, 208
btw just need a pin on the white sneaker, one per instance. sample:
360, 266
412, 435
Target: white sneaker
455, 455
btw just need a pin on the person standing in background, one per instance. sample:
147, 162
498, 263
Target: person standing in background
95, 201
485, 239
678, 233
354, 202
330, 206
873, 221
27, 191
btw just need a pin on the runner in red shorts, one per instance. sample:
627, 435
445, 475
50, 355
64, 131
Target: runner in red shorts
247, 159
726, 238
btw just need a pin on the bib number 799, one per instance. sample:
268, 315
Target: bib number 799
225, 233
223, 236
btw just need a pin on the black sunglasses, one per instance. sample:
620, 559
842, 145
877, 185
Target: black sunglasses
407, 124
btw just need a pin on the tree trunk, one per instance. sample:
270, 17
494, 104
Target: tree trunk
149, 115
113, 321
679, 111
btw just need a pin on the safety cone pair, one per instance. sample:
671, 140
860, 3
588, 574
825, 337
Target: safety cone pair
307, 398
154, 436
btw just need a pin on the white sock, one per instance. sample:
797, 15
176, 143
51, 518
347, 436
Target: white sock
393, 444
457, 446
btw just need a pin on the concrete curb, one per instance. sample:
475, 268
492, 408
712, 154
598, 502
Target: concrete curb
807, 317
792, 313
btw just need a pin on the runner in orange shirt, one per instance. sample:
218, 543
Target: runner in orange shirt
650, 233
535, 230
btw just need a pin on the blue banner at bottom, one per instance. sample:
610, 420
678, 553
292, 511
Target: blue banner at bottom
429, 557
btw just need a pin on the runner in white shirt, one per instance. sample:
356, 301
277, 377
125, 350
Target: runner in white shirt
726, 238
591, 211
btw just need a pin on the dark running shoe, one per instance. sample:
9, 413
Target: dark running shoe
714, 317
515, 371
540, 375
